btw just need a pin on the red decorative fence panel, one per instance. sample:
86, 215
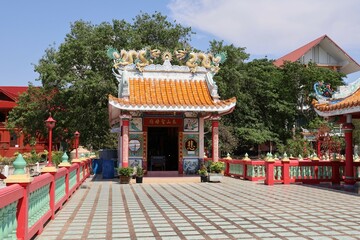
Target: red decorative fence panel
26, 207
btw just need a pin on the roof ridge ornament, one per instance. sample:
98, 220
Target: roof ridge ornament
195, 61
323, 92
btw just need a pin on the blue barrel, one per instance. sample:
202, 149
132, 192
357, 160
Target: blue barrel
108, 160
97, 166
108, 170
107, 154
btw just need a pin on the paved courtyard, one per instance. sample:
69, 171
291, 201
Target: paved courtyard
232, 209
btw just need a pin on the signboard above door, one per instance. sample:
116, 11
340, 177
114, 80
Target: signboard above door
163, 122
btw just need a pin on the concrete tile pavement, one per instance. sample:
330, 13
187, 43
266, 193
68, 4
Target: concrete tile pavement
232, 209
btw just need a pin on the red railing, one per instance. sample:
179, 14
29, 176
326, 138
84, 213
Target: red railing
308, 172
26, 207
291, 171
252, 170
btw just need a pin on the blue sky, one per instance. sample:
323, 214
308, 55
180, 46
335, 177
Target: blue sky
269, 28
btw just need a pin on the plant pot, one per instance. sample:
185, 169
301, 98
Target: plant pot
204, 178
215, 177
139, 179
124, 179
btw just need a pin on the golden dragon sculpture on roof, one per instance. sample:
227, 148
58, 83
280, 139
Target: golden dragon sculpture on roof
146, 56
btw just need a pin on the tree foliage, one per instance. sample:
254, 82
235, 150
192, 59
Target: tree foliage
76, 77
270, 100
76, 80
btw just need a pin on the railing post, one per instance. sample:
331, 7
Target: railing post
246, 159
316, 160
78, 162
285, 170
52, 195
24, 180
269, 178
65, 163
227, 168
335, 172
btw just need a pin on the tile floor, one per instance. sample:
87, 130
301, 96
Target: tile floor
232, 209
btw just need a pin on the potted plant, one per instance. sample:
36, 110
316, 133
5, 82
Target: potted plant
215, 171
139, 174
125, 174
203, 175
203, 172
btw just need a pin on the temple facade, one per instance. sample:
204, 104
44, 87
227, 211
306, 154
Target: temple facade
342, 105
161, 109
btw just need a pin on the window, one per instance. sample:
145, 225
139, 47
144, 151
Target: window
13, 140
2, 117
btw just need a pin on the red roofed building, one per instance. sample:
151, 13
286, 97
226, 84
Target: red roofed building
11, 143
325, 53
160, 110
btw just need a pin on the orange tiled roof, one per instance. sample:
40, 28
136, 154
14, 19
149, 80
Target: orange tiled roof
160, 94
346, 103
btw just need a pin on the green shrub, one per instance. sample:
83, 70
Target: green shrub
56, 157
126, 171
217, 167
203, 172
6, 160
139, 171
29, 157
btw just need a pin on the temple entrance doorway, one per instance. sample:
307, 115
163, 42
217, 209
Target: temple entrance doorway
163, 154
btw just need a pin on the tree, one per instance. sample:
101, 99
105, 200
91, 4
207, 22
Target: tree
76, 77
298, 87
29, 115
269, 99
76, 80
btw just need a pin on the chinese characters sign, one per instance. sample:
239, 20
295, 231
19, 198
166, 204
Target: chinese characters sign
164, 122
191, 145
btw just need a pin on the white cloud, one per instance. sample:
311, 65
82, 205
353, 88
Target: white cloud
273, 27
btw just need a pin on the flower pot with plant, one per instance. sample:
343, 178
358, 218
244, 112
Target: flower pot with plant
215, 174
125, 174
203, 174
139, 174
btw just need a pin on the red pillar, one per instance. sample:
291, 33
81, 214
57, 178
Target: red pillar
52, 196
269, 179
286, 171
22, 215
215, 140
335, 172
349, 168
319, 148
125, 142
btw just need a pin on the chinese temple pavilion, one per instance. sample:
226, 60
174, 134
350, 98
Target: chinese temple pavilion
344, 105
160, 109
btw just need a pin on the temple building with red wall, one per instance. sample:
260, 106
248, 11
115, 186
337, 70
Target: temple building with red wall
12, 142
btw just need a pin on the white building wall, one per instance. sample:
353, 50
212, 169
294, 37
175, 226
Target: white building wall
319, 56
